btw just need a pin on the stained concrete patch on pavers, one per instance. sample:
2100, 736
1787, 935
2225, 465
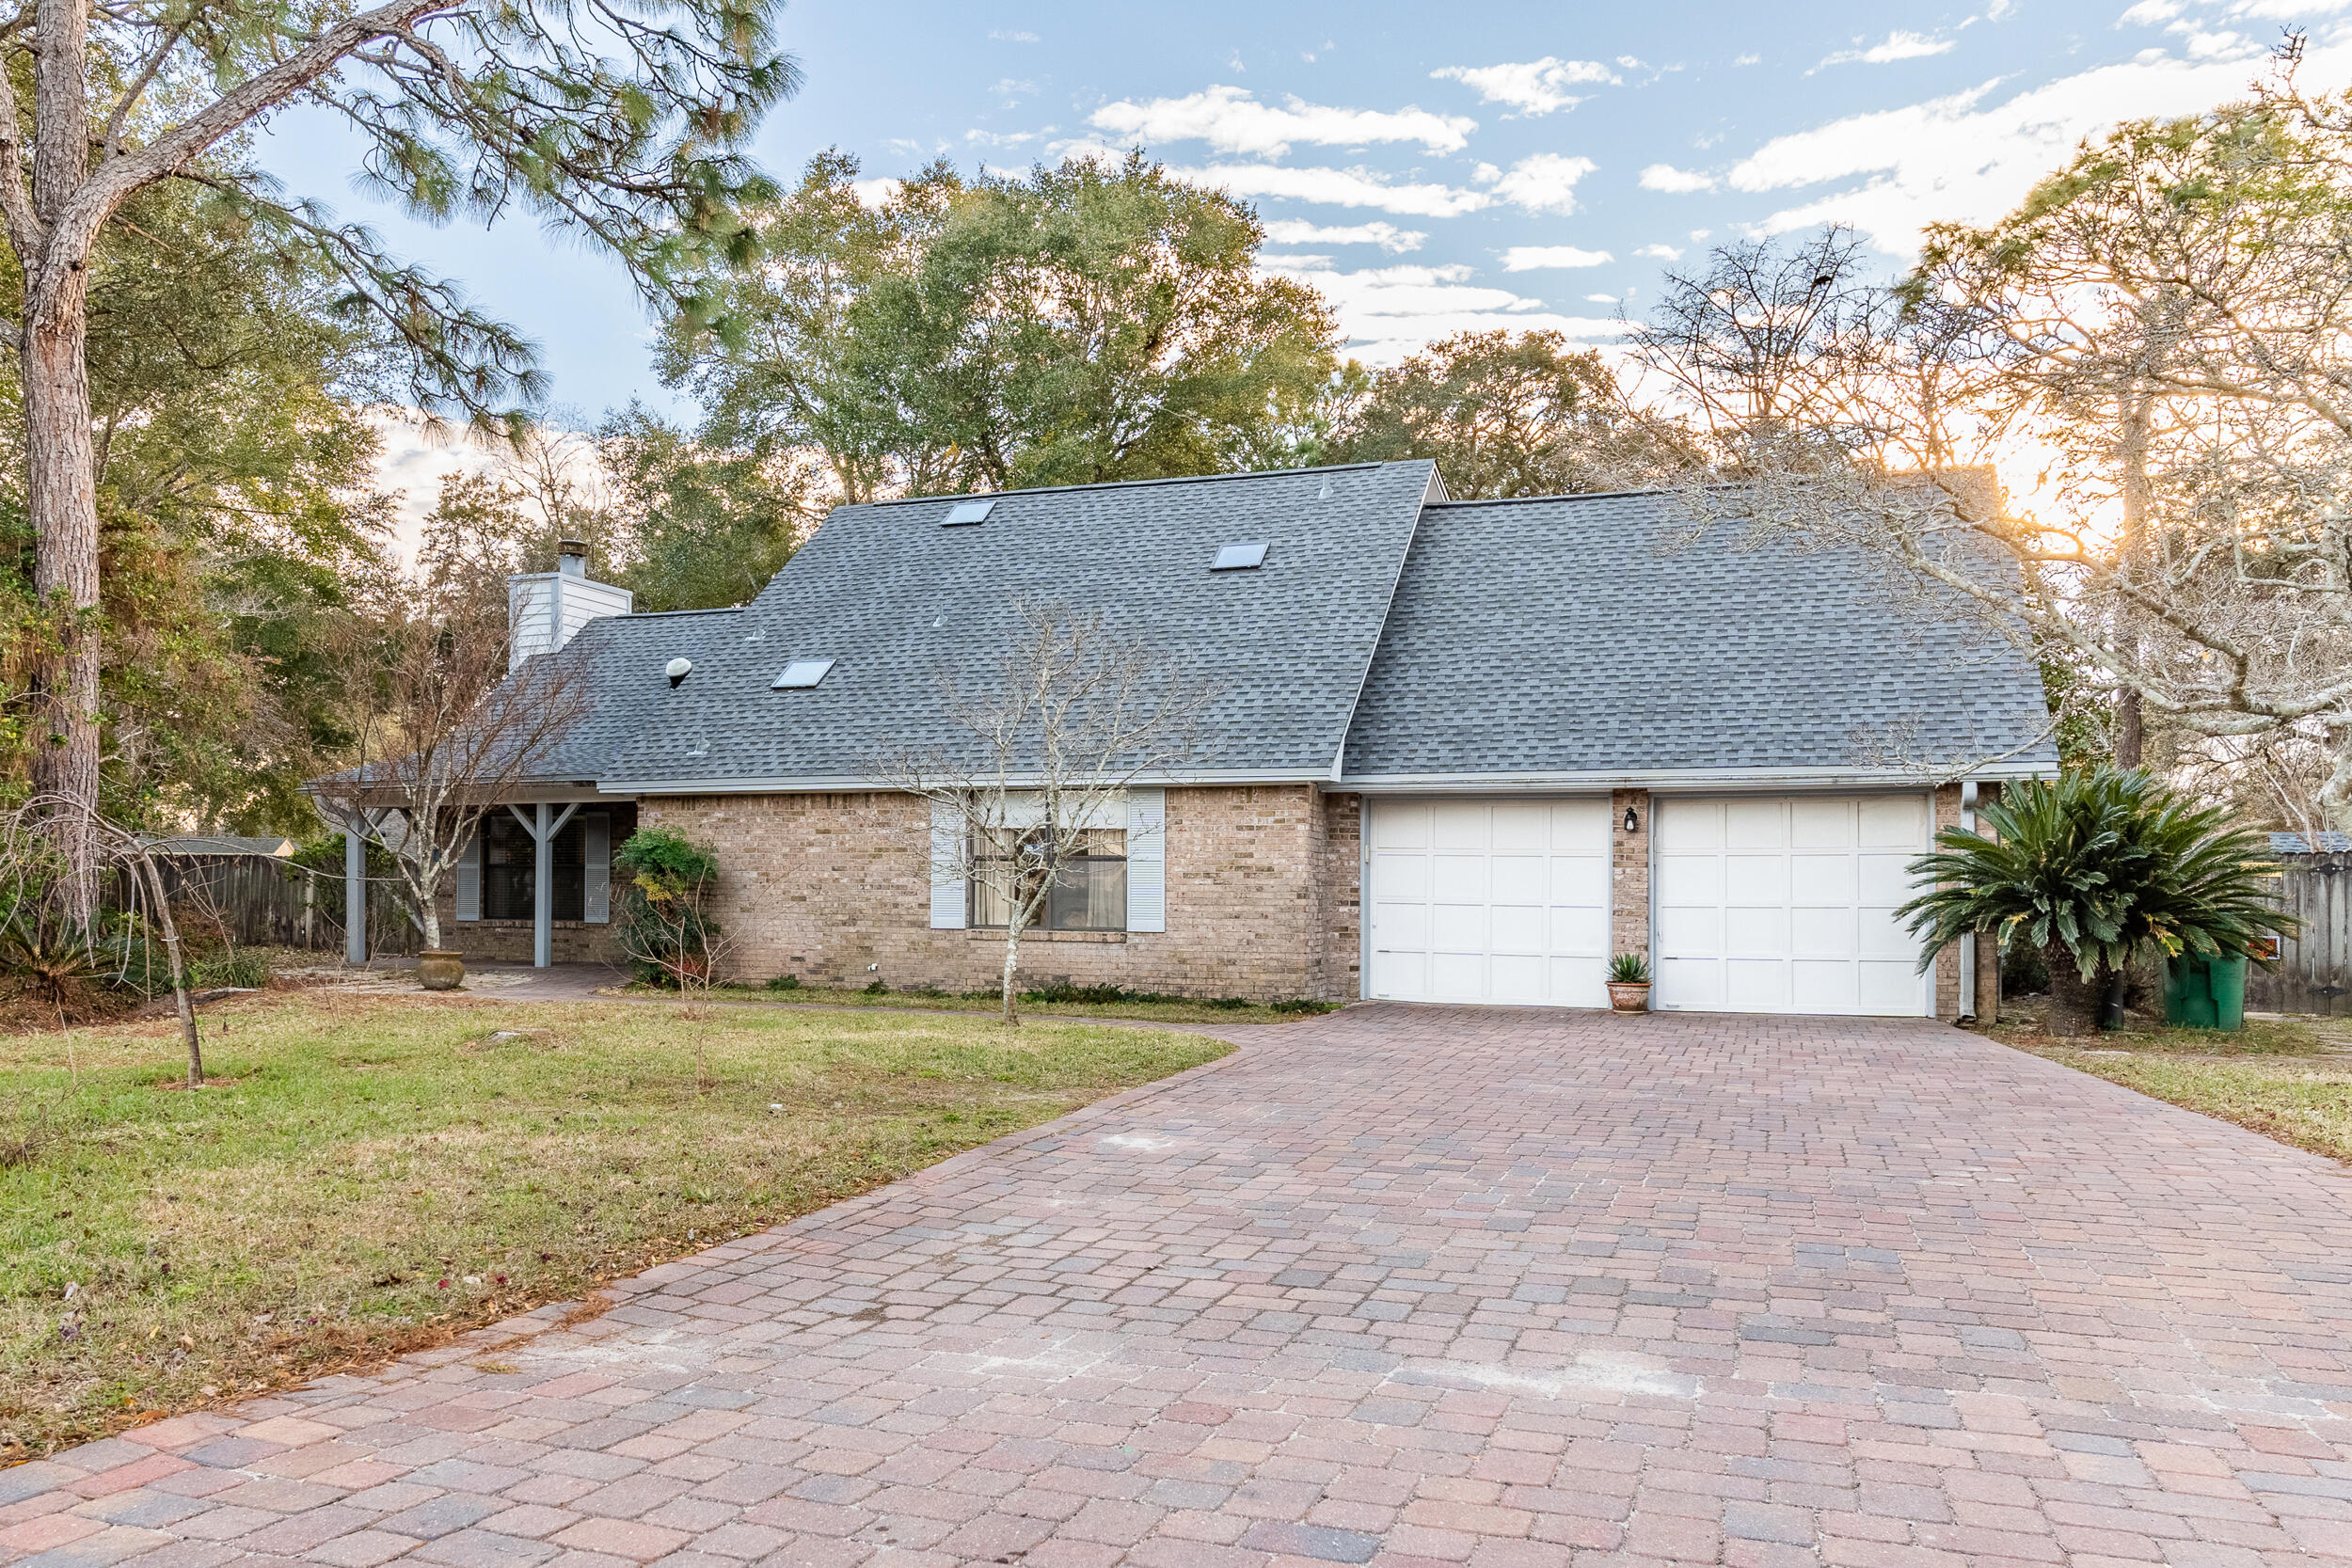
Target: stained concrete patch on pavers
1399, 1285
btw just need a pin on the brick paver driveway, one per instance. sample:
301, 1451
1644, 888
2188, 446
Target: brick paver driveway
1399, 1286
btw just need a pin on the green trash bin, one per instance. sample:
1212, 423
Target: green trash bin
2202, 993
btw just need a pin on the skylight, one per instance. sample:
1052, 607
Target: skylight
1239, 558
964, 512
802, 674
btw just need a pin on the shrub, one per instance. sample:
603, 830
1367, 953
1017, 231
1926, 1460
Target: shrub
664, 931
875, 987
1304, 1004
784, 982
2090, 869
245, 966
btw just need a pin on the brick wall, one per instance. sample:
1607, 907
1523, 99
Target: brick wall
837, 889
1947, 961
509, 941
1628, 873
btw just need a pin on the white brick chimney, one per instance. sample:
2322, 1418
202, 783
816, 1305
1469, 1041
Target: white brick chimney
545, 610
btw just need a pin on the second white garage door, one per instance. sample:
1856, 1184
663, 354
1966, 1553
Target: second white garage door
1787, 905
1486, 900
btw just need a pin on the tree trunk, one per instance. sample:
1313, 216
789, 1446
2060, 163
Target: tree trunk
1013, 959
61, 491
2131, 729
2074, 1001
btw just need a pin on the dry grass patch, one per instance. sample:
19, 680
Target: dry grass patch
369, 1174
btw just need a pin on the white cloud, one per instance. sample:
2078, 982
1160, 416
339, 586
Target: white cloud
1659, 253
1601, 299
1388, 236
1545, 182
1679, 182
1337, 187
1531, 86
1528, 258
873, 192
1964, 159
1388, 312
1898, 46
1749, 59
1232, 119
1001, 35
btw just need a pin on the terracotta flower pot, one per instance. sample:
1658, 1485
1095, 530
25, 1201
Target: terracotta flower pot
440, 969
1629, 996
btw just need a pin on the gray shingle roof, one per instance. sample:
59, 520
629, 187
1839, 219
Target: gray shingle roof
892, 597
1570, 635
2326, 841
626, 655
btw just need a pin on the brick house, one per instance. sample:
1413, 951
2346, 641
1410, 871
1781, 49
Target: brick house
1522, 735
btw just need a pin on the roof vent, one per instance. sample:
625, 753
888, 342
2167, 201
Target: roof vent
677, 669
964, 514
1239, 558
800, 675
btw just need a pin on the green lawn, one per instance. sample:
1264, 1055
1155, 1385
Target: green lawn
368, 1174
2275, 1076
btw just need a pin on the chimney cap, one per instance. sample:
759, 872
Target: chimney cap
572, 547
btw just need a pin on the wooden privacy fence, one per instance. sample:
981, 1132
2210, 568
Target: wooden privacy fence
2315, 972
260, 900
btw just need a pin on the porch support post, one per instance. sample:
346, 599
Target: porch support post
543, 889
354, 898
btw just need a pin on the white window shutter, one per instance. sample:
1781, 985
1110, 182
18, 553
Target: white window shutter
595, 863
469, 878
1147, 860
947, 877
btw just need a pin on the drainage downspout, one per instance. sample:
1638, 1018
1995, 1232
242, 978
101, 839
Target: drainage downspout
1968, 940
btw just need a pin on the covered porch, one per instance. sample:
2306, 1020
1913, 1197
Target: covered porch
540, 868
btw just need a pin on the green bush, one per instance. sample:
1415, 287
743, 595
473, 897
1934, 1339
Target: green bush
784, 982
664, 930
245, 966
2091, 870
1304, 1004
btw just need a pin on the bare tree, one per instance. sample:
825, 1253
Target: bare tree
445, 735
2147, 325
35, 883
1039, 760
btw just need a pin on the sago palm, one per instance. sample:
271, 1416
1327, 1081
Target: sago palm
2090, 869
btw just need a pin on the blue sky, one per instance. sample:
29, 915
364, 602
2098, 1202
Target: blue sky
1434, 168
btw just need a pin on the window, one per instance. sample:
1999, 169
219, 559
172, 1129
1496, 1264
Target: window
510, 861
800, 675
1089, 894
964, 514
1239, 558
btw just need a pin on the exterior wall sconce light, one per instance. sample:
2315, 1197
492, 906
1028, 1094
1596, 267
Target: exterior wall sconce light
1633, 823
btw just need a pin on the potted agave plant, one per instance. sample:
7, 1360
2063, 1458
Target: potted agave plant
1628, 983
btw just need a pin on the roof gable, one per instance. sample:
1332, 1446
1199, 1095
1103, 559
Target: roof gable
895, 597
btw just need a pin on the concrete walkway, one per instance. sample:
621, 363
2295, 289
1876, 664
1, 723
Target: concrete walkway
1403, 1286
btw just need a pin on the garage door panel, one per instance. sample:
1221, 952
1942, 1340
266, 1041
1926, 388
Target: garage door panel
1823, 880
1459, 825
1756, 985
1817, 933
1579, 931
1519, 878
1400, 876
1821, 986
1695, 931
1402, 826
1792, 908
1755, 879
1457, 976
1518, 929
1489, 900
1820, 824
1893, 822
1695, 824
1690, 880
1889, 987
1755, 825
1516, 977
1457, 879
1522, 825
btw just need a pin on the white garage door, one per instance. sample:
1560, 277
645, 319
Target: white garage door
1481, 900
1787, 905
